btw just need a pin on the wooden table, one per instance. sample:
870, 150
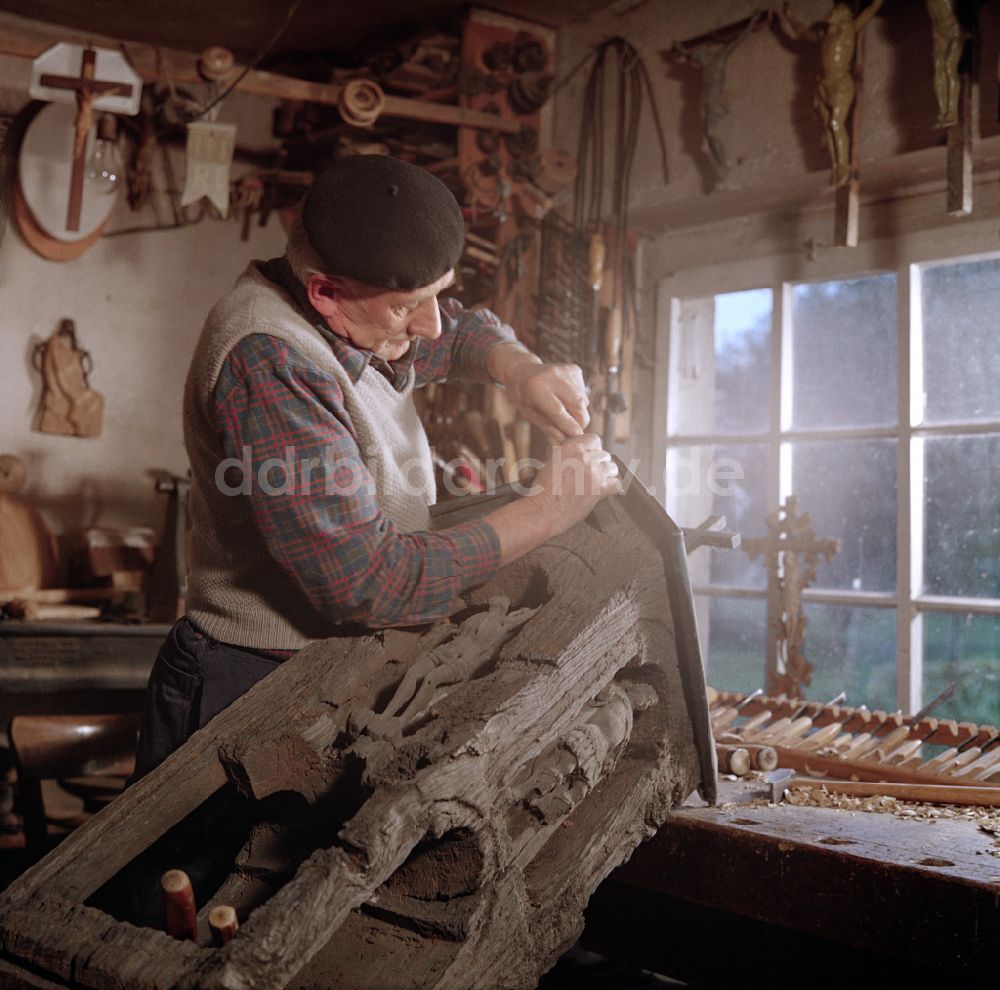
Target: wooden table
804, 895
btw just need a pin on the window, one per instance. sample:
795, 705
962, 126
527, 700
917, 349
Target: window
875, 398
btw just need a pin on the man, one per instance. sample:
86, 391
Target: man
308, 366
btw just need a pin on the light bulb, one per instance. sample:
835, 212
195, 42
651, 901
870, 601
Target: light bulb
104, 167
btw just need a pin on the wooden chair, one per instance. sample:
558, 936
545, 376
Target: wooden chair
90, 755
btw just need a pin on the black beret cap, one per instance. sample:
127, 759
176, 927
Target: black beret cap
383, 222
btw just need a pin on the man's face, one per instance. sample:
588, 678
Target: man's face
383, 321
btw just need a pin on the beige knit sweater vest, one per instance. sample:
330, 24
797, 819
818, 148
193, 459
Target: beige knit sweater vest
236, 593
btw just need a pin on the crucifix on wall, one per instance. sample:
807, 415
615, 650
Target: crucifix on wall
96, 79
952, 51
791, 551
710, 54
837, 102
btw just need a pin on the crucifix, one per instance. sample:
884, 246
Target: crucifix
953, 57
838, 103
710, 54
791, 551
53, 79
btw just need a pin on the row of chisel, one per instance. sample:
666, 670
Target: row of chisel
836, 734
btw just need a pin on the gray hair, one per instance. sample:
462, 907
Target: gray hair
302, 257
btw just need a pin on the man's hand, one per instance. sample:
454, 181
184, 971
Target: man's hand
566, 489
552, 397
576, 477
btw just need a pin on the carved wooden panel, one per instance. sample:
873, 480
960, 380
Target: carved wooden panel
417, 808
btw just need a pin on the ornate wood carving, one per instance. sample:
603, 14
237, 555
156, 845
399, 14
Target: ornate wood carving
430, 808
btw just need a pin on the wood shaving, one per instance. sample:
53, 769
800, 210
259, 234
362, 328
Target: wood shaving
987, 819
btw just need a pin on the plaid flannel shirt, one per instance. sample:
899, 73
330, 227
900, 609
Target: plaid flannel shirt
348, 558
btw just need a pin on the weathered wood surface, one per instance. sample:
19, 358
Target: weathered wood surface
920, 891
448, 798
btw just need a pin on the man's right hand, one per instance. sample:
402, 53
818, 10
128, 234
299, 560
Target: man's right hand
577, 476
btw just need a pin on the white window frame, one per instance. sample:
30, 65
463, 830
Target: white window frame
907, 256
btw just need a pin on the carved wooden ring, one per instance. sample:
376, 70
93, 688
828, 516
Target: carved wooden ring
216, 63
361, 102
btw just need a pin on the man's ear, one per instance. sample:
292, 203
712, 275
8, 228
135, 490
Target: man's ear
323, 295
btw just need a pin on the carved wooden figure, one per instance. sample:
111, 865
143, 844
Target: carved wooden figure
949, 42
837, 37
712, 60
69, 405
421, 808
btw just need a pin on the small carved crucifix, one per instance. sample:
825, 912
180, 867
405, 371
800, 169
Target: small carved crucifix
791, 551
52, 80
710, 54
86, 87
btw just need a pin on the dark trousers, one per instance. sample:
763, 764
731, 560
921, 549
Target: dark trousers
193, 679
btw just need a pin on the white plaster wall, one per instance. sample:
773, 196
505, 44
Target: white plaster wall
138, 301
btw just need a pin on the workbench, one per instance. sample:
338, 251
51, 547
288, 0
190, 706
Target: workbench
75, 667
804, 895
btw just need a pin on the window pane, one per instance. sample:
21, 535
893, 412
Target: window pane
852, 650
720, 364
742, 361
844, 353
734, 642
728, 481
962, 516
961, 356
849, 490
966, 649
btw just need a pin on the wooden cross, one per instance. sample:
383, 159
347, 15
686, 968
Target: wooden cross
959, 169
791, 551
86, 87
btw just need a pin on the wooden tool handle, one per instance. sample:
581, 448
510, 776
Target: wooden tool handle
179, 913
223, 923
733, 759
764, 758
613, 338
931, 793
595, 260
